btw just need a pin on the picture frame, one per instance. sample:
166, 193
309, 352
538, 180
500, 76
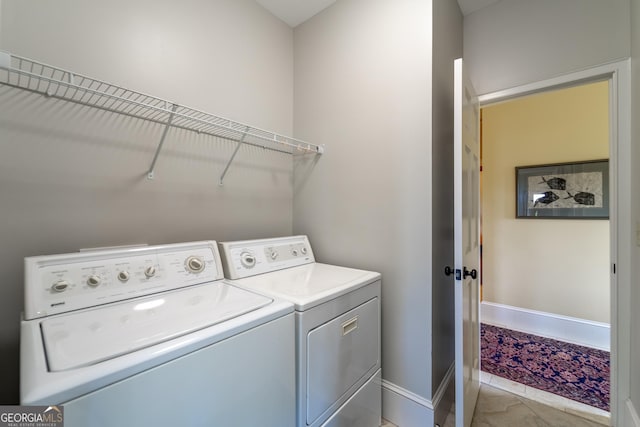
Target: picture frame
577, 190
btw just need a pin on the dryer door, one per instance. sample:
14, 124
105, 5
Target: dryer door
341, 354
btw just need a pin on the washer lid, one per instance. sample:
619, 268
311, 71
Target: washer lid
309, 285
90, 336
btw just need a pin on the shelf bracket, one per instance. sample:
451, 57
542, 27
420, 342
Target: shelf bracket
162, 138
226, 168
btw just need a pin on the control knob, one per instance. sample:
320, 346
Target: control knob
294, 252
60, 286
94, 280
123, 276
194, 264
247, 259
304, 250
273, 255
150, 271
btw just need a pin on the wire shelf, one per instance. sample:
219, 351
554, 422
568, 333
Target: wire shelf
58, 83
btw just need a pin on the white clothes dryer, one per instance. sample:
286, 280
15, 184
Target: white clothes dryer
153, 336
337, 312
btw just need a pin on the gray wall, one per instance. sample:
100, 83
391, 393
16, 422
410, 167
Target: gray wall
514, 42
363, 87
364, 73
447, 46
74, 177
635, 289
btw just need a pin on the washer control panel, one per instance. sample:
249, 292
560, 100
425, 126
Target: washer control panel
60, 283
251, 257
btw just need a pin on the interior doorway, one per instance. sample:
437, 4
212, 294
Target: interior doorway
541, 273
618, 74
550, 258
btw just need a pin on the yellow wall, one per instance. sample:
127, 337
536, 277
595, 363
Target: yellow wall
555, 266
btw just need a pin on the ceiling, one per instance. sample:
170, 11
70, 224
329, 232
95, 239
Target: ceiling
470, 6
295, 12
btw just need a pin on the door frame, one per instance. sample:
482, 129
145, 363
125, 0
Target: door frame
618, 74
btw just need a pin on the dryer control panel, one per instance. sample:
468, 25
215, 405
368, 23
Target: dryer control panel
251, 257
61, 283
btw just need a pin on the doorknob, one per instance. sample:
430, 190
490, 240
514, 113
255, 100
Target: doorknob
448, 271
473, 273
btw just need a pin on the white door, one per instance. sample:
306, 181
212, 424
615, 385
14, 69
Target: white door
467, 245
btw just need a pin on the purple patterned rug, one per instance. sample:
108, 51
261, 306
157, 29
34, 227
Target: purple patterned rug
572, 371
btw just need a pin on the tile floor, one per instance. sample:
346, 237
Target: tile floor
546, 398
499, 408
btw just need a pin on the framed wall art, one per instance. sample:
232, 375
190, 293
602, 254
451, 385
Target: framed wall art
578, 190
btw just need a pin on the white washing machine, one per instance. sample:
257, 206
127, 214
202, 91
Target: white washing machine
153, 336
337, 313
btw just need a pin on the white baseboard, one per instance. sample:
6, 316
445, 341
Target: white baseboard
632, 419
564, 328
444, 397
405, 408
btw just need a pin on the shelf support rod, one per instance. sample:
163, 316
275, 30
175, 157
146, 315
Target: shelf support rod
233, 156
162, 138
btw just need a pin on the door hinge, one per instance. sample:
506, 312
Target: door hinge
458, 274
